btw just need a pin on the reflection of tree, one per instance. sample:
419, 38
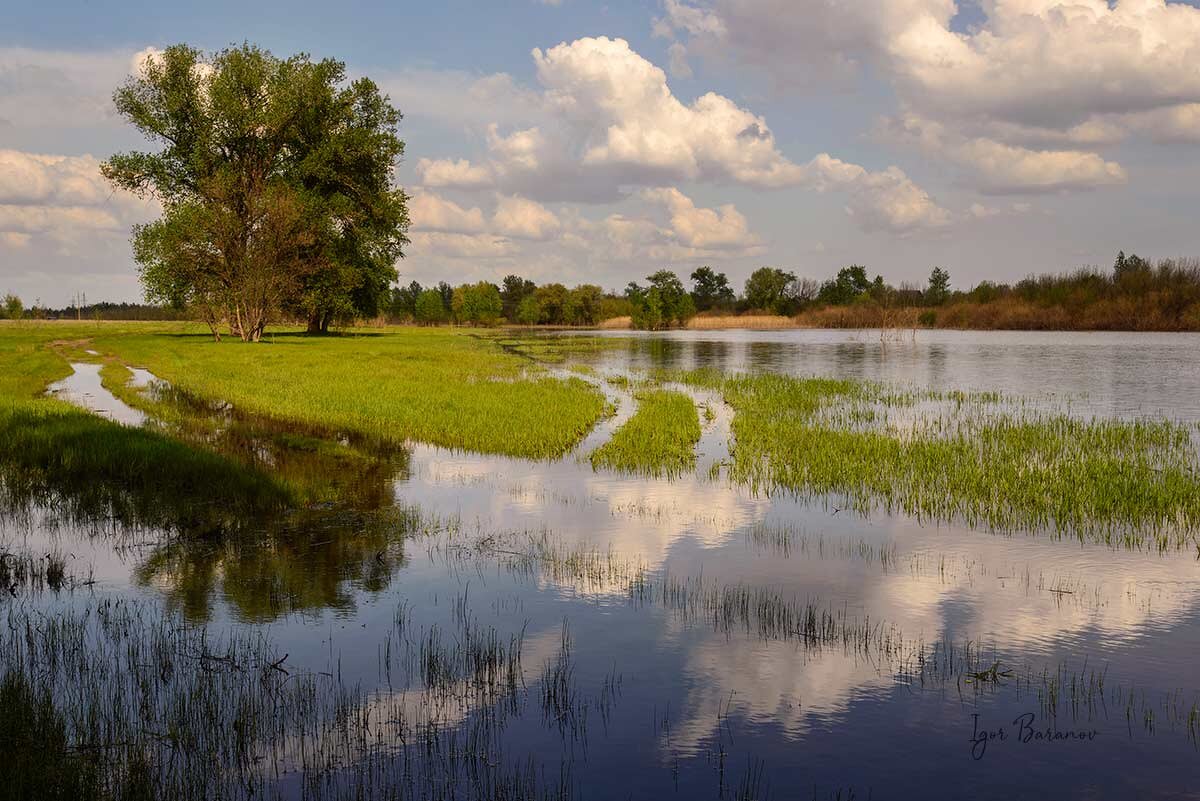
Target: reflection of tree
278, 518
308, 564
711, 353
662, 352
346, 530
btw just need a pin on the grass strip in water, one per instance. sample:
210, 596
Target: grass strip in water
659, 440
1130, 482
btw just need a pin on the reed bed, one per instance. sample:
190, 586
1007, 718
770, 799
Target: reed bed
120, 700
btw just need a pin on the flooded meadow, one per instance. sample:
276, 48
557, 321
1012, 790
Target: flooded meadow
712, 601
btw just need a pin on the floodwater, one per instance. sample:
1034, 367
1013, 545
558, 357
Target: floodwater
713, 699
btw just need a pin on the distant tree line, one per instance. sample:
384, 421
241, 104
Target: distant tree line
1135, 294
516, 300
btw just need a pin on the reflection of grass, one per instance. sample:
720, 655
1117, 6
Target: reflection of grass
123, 700
1119, 481
93, 469
660, 438
555, 349
318, 466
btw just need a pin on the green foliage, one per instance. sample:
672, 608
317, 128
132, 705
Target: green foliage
711, 290
552, 298
582, 306
767, 290
938, 290
513, 291
477, 304
611, 306
275, 181
850, 285
529, 312
430, 308
402, 302
1129, 265
659, 440
927, 318
12, 308
663, 304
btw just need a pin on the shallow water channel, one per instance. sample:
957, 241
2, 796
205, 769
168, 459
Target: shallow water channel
689, 638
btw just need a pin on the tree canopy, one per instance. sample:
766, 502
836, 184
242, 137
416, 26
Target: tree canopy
275, 179
939, 287
662, 304
711, 290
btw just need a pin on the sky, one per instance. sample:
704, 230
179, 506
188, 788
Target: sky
584, 142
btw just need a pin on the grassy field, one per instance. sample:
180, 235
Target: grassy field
659, 440
443, 387
374, 392
971, 458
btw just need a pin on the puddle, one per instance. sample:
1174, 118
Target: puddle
85, 389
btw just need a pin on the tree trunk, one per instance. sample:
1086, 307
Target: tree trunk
315, 321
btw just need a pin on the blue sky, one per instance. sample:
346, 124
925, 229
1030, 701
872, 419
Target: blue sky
997, 138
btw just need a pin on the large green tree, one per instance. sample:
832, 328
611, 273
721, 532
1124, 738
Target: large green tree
12, 307
938, 290
850, 284
275, 180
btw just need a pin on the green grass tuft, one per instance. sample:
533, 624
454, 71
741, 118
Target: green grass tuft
659, 440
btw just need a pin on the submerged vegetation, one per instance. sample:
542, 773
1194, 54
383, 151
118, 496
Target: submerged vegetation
659, 440
1130, 482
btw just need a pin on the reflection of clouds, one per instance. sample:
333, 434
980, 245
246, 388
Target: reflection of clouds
767, 683
1003, 601
999, 587
391, 714
941, 581
636, 516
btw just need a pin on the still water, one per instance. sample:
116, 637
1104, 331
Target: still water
696, 700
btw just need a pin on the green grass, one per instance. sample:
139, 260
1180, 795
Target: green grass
91, 469
291, 395
1129, 482
442, 387
659, 440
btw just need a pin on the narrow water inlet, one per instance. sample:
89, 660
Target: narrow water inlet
85, 389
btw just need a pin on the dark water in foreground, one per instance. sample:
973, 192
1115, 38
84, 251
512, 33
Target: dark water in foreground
689, 699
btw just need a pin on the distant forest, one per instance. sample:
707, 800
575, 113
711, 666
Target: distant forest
1134, 294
